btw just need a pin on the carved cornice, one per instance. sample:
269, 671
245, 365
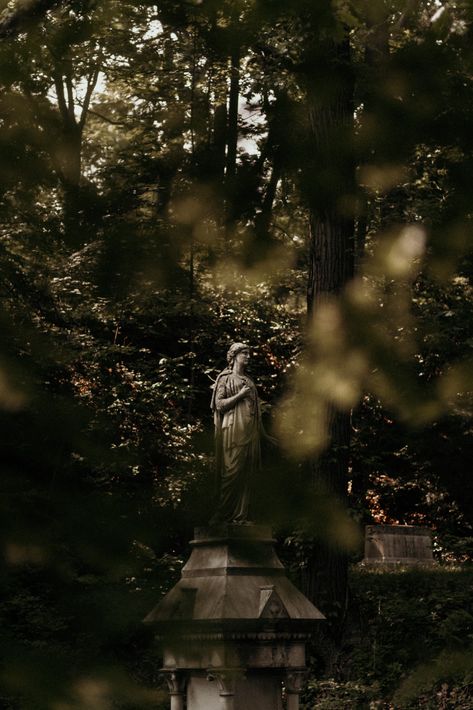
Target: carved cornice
225, 571
273, 637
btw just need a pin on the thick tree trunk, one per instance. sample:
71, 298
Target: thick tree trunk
330, 256
374, 70
71, 171
331, 176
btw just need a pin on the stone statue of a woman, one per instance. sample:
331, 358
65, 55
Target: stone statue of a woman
238, 430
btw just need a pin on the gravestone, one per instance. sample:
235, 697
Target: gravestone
388, 545
233, 629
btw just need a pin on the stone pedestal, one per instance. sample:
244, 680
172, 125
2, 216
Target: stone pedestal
393, 545
233, 629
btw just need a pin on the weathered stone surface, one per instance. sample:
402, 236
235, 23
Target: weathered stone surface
238, 430
397, 545
234, 574
234, 624
250, 692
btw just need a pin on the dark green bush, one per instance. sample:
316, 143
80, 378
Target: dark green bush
409, 643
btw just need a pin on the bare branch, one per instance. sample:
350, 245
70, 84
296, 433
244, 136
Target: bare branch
70, 95
112, 121
91, 84
61, 99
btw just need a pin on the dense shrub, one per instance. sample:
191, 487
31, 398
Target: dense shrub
409, 643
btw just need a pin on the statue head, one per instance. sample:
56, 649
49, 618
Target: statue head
233, 351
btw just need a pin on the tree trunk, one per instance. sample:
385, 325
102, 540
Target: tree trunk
331, 179
68, 156
374, 70
219, 142
71, 171
232, 141
232, 135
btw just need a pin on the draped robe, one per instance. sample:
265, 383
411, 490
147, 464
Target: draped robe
238, 450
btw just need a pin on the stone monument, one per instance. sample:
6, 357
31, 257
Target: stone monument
238, 431
233, 629
394, 545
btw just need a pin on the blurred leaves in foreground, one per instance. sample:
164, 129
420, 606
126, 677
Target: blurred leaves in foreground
156, 181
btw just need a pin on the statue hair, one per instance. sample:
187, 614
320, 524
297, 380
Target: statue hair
233, 351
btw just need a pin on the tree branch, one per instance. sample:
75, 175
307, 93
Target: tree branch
70, 95
112, 121
91, 84
61, 99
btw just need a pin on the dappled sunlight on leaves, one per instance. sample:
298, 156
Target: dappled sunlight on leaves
367, 342
233, 273
158, 179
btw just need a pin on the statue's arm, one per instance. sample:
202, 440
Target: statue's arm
223, 403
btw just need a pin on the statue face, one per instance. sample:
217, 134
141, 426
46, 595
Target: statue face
243, 357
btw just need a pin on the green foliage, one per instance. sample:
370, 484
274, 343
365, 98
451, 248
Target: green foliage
133, 248
408, 643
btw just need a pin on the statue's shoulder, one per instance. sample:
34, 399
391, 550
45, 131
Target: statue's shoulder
222, 378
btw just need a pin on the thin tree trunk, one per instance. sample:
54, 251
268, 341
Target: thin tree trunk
232, 141
219, 141
69, 154
232, 135
263, 218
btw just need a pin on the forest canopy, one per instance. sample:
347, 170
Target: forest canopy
179, 175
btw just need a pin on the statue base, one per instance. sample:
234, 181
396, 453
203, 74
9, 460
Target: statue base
233, 629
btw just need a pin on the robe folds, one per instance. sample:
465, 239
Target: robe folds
238, 448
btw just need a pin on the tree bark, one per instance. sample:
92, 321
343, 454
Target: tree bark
232, 141
232, 134
219, 142
68, 155
70, 179
331, 180
376, 57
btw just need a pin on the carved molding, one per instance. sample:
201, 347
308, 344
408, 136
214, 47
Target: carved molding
271, 605
225, 678
242, 636
176, 680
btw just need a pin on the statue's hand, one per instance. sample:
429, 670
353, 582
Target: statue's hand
245, 391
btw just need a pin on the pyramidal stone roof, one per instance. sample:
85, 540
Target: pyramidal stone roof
234, 574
